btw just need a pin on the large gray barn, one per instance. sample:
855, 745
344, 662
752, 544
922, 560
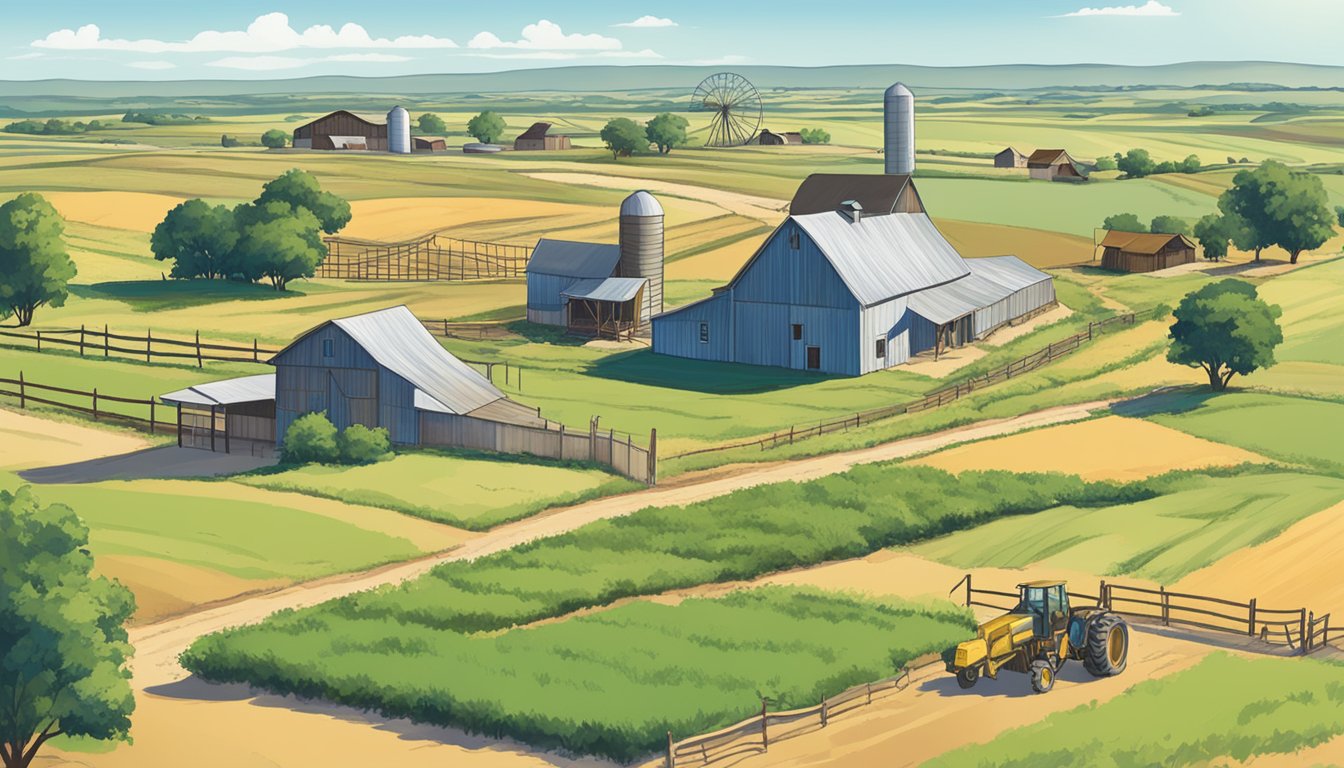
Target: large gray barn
857, 279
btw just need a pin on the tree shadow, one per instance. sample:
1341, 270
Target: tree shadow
642, 366
1166, 401
155, 295
537, 333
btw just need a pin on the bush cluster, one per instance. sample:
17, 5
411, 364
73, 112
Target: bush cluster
313, 439
55, 127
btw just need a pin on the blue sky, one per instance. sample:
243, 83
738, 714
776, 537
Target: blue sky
139, 39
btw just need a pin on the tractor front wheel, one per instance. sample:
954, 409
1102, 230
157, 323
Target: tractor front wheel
1042, 676
967, 677
1107, 650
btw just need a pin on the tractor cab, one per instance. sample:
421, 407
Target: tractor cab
1047, 603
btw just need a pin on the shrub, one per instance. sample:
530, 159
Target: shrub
311, 438
1105, 164
360, 445
274, 139
815, 136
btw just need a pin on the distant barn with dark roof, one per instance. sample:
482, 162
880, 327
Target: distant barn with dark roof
539, 137
1145, 252
1054, 165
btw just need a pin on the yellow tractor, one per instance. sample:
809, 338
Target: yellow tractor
1038, 636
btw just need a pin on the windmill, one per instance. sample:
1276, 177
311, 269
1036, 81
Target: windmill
734, 107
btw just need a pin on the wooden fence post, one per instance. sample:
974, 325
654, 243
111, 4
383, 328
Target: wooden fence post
105, 339
256, 354
765, 738
671, 759
1101, 596
1250, 624
151, 415
39, 341
562, 442
1311, 630
81, 339
179, 425
824, 713
95, 403
149, 343
23, 392
1302, 633
653, 457
199, 362
1089, 330
1166, 605
592, 438
968, 590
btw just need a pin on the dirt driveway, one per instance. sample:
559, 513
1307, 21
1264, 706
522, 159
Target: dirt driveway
167, 461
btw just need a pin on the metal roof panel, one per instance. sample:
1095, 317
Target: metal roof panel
245, 389
611, 289
566, 258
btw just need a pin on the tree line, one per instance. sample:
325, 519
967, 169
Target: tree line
277, 237
55, 127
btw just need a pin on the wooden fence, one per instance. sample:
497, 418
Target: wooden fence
1298, 628
756, 734
432, 257
104, 343
934, 399
27, 391
467, 331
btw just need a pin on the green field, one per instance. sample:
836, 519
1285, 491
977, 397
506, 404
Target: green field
611, 683
1160, 539
1226, 708
1297, 430
469, 492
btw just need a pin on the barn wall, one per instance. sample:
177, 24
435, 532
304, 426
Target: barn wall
678, 333
545, 305
782, 275
885, 320
923, 333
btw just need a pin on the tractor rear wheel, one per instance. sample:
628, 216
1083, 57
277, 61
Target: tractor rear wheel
1042, 676
1107, 649
967, 677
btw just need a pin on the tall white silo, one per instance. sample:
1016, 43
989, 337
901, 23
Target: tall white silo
898, 129
641, 238
399, 131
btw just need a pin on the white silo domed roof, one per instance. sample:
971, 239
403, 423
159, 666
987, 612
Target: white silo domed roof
899, 89
397, 109
641, 203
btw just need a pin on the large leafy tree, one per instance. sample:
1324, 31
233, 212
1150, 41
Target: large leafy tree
274, 139
431, 123
1226, 329
624, 137
1279, 206
35, 268
1136, 163
278, 243
1123, 222
198, 238
1215, 232
299, 189
667, 131
63, 642
1169, 225
487, 127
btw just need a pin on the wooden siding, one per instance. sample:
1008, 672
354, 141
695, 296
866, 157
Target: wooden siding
887, 320
678, 333
779, 274
341, 124
544, 302
1126, 261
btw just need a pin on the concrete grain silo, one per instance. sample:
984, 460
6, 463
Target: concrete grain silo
898, 129
641, 240
399, 131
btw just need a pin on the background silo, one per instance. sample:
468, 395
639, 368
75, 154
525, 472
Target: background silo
642, 248
399, 131
898, 115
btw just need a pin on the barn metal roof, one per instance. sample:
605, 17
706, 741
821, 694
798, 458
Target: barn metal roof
398, 341
945, 303
1008, 271
566, 258
1141, 242
245, 389
882, 257
823, 192
610, 289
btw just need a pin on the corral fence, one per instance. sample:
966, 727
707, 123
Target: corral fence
104, 343
29, 392
467, 331
1299, 629
432, 257
755, 734
934, 399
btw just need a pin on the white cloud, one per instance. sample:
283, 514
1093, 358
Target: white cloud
547, 36
1150, 8
259, 63
152, 64
648, 22
377, 58
24, 56
269, 33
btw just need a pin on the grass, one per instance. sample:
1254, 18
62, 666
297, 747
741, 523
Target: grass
1161, 539
1224, 708
475, 492
611, 683
1291, 429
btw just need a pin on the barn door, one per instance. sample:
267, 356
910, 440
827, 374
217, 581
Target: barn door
814, 358
351, 397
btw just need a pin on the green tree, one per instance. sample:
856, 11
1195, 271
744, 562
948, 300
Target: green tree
1215, 232
1105, 164
35, 269
63, 642
1339, 214
311, 439
815, 136
487, 127
1280, 206
198, 238
274, 139
1169, 225
1190, 164
1136, 163
624, 137
359, 444
432, 124
299, 189
278, 242
1226, 329
1123, 222
667, 131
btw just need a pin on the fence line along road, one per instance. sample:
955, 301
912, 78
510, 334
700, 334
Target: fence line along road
23, 389
755, 734
93, 342
934, 399
1299, 629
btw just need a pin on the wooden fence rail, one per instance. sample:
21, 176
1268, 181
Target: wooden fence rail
433, 257
757, 733
27, 391
934, 399
1299, 629
100, 343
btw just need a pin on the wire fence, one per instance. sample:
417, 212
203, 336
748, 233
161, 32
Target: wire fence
150, 348
935, 399
138, 412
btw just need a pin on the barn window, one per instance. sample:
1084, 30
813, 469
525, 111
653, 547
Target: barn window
795, 240
328, 347
882, 349
704, 333
797, 332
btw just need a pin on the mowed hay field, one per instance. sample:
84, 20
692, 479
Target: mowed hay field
1109, 448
